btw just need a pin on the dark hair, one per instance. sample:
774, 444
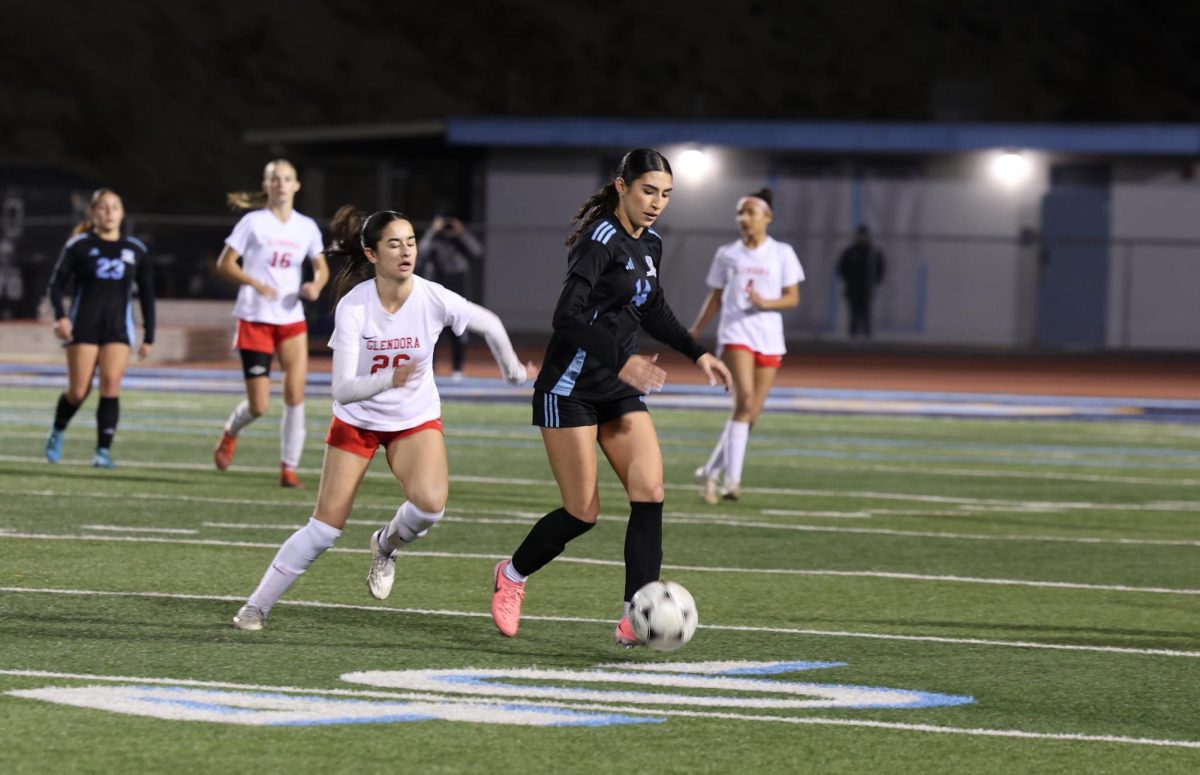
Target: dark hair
764, 194
253, 200
86, 224
633, 165
353, 232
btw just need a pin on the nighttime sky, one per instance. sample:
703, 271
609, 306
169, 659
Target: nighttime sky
154, 97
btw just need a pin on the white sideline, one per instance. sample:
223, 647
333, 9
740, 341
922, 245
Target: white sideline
1184, 506
7, 535
634, 709
1033, 645
692, 518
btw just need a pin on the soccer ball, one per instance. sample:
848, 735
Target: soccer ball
663, 615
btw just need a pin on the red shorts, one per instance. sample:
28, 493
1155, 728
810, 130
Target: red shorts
362, 442
760, 360
265, 337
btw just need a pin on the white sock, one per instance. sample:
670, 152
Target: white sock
513, 576
293, 558
240, 418
291, 435
735, 451
409, 524
716, 461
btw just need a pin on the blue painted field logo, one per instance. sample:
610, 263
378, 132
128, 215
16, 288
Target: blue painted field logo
642, 694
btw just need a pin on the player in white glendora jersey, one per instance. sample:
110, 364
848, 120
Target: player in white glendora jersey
386, 325
751, 281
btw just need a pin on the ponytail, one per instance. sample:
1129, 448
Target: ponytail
633, 165
346, 250
603, 201
353, 232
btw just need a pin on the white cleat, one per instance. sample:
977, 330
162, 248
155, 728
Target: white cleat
383, 569
250, 617
709, 489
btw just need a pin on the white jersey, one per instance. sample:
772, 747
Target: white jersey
768, 269
386, 341
273, 252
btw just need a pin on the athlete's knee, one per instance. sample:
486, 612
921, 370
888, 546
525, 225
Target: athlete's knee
257, 408
77, 395
585, 510
651, 492
429, 499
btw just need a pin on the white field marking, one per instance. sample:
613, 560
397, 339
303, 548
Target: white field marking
940, 639
522, 517
716, 518
899, 576
754, 717
539, 482
126, 529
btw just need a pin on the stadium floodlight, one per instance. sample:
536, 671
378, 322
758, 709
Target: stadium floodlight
693, 163
1010, 167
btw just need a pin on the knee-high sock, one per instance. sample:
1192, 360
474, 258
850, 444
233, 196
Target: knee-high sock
716, 461
292, 559
409, 524
108, 414
63, 412
291, 435
240, 418
735, 451
643, 546
546, 540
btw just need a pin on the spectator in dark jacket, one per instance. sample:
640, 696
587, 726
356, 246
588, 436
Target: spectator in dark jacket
447, 251
861, 268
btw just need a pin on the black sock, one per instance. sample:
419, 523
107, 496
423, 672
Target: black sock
107, 415
64, 412
643, 546
547, 540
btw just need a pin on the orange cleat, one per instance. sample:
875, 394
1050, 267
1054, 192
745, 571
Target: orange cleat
223, 454
624, 634
288, 478
506, 601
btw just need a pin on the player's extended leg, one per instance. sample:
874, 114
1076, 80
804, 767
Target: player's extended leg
741, 366
81, 364
630, 443
256, 368
114, 358
761, 381
572, 454
341, 474
419, 463
293, 358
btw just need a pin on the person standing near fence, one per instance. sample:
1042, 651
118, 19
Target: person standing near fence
264, 254
593, 384
447, 252
102, 265
751, 280
861, 267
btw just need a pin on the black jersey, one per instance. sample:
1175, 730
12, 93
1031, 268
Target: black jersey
102, 273
611, 291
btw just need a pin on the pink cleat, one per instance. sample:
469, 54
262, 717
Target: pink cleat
506, 601
624, 634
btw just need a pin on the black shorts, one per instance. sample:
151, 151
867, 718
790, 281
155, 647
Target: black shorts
92, 326
555, 411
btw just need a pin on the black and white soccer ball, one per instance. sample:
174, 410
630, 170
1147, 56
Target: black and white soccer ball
663, 615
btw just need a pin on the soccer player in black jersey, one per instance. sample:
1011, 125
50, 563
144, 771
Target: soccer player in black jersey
102, 267
593, 383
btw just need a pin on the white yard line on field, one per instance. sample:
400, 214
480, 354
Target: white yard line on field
688, 518
939, 639
898, 576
